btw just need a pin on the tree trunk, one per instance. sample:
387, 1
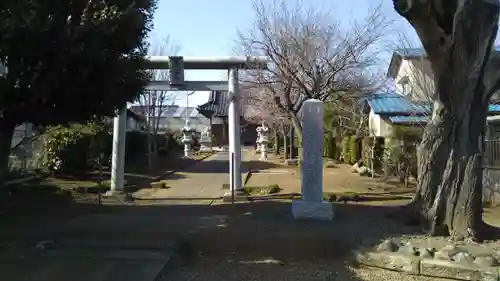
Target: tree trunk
458, 39
276, 143
298, 131
449, 192
6, 134
292, 137
150, 151
285, 145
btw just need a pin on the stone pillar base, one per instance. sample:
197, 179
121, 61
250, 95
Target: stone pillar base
111, 193
239, 196
205, 148
302, 209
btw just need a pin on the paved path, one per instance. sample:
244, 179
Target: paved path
203, 180
85, 264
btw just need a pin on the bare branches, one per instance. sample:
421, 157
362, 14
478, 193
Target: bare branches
312, 57
154, 102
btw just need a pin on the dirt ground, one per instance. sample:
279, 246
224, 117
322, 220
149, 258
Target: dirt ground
339, 179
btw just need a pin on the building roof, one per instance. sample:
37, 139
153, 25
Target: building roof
170, 111
408, 54
389, 102
135, 116
402, 120
217, 105
401, 110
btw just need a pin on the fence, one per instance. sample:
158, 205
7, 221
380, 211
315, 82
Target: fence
491, 172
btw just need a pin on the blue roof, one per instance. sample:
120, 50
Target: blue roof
494, 108
409, 119
389, 102
400, 110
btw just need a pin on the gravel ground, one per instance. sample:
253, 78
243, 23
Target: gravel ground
229, 268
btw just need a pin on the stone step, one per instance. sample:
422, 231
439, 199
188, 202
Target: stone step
121, 243
80, 264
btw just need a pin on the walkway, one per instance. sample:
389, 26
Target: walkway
203, 180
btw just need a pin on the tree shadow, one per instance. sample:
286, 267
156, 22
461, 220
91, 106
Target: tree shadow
257, 230
222, 167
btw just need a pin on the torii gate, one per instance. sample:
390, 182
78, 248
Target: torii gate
176, 83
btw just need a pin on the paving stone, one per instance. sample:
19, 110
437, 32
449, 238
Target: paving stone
448, 269
485, 261
464, 258
391, 261
388, 246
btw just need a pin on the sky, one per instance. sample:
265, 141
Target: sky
209, 28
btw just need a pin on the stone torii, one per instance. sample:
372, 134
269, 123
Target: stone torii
177, 65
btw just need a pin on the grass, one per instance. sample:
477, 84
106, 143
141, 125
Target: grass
35, 195
258, 190
83, 186
159, 184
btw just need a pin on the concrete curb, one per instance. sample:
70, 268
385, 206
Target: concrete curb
177, 198
426, 266
20, 180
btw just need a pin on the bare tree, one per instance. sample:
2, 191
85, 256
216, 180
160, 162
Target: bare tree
311, 56
258, 108
458, 37
154, 102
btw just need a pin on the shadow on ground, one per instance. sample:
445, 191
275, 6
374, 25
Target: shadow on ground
243, 235
222, 166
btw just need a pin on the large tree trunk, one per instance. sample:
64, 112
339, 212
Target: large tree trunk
6, 134
449, 196
458, 38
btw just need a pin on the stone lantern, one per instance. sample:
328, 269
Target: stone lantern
206, 140
263, 140
187, 140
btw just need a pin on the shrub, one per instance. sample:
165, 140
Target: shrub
83, 147
262, 190
174, 140
404, 150
136, 145
330, 146
77, 147
345, 150
367, 149
354, 149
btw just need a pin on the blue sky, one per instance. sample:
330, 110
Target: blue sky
209, 28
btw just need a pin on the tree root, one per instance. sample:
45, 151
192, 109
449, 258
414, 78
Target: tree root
405, 215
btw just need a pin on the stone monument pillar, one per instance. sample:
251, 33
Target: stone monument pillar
263, 140
187, 140
311, 205
206, 140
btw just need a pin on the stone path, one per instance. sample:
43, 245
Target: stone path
203, 180
97, 263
